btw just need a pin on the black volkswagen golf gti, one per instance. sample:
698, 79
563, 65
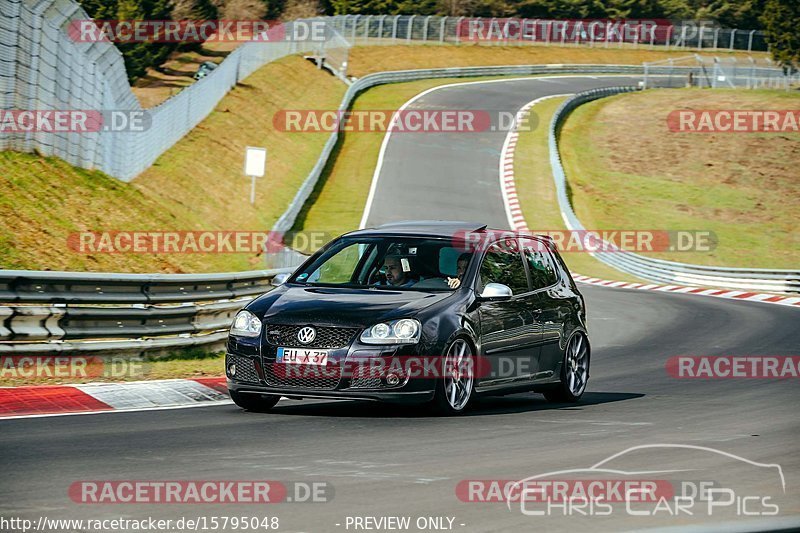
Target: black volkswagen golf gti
415, 312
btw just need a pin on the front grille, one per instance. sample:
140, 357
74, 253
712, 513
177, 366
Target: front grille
327, 337
301, 376
363, 380
245, 368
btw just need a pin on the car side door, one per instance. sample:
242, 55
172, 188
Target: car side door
550, 307
509, 335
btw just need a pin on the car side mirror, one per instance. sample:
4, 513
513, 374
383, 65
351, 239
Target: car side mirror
496, 291
279, 279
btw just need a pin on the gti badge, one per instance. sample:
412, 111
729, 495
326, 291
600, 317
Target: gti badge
306, 334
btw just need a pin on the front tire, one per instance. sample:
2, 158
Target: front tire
454, 390
258, 403
574, 372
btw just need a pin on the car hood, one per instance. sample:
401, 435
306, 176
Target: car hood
339, 306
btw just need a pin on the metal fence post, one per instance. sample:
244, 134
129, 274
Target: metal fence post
355, 26
366, 28
394, 28
733, 33
750, 41
410, 28
425, 29
442, 27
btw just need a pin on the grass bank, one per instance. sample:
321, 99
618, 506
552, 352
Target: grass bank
196, 185
627, 170
368, 59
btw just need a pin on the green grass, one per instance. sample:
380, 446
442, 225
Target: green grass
195, 185
190, 363
537, 192
338, 201
627, 170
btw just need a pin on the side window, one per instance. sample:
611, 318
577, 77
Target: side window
340, 267
540, 263
502, 264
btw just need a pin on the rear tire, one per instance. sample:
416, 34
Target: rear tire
455, 389
574, 372
258, 403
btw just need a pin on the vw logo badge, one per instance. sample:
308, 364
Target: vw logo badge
306, 334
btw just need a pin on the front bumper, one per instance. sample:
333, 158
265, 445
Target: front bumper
394, 396
259, 373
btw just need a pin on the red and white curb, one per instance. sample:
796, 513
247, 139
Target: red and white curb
517, 222
507, 186
55, 400
792, 301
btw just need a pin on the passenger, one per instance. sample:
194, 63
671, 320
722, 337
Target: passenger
461, 269
396, 276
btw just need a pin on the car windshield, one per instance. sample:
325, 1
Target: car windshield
395, 263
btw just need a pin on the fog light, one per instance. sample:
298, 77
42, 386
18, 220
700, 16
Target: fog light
392, 379
232, 369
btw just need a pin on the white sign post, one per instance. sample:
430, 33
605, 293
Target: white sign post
255, 161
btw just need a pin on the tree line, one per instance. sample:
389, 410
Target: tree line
780, 19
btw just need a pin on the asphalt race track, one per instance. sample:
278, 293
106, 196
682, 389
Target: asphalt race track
389, 461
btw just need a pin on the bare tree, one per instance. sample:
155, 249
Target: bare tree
242, 10
297, 9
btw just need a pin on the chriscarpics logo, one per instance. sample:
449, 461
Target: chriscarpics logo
652, 481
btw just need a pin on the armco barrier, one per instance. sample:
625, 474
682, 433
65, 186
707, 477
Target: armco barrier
42, 68
46, 313
286, 221
432, 29
648, 268
661, 271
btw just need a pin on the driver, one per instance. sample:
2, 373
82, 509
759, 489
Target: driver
461, 269
395, 275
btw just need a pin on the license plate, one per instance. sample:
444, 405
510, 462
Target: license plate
301, 356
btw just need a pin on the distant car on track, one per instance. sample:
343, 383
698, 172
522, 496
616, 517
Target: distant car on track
205, 68
389, 314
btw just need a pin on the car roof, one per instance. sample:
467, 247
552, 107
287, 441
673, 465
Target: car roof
440, 228
434, 228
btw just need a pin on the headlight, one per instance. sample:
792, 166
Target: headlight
403, 331
246, 324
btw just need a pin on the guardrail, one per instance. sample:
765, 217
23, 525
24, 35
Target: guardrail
505, 31
46, 313
658, 270
286, 221
43, 68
